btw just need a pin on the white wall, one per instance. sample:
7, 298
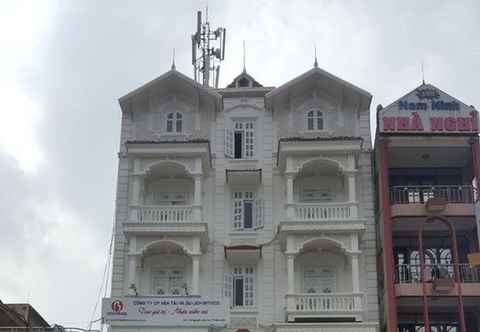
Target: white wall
288, 121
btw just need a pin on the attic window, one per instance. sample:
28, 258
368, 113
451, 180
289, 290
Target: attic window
315, 120
243, 82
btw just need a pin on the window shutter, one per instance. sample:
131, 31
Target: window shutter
237, 210
249, 140
228, 287
249, 287
259, 213
228, 143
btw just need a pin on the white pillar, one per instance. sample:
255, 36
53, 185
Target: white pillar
352, 192
195, 274
197, 197
289, 196
132, 272
355, 273
136, 182
356, 281
355, 252
291, 273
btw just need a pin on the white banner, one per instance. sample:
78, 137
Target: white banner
164, 311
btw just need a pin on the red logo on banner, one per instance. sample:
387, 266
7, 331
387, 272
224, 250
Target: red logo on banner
117, 306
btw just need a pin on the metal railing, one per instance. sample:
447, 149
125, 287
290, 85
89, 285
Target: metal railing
329, 302
181, 213
410, 273
324, 211
421, 194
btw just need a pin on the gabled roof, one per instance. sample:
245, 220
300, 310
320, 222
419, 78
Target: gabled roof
244, 77
317, 72
169, 77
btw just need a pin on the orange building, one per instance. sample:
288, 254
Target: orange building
427, 161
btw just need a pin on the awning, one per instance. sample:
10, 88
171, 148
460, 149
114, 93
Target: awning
243, 176
243, 253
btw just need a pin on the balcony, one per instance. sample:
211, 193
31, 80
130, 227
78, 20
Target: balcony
323, 281
410, 273
156, 220
411, 200
408, 279
324, 211
166, 200
165, 214
329, 305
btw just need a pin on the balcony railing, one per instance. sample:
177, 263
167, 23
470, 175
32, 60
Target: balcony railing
325, 303
324, 211
183, 213
410, 273
421, 194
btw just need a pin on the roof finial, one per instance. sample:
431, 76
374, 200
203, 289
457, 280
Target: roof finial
423, 74
173, 59
315, 64
244, 67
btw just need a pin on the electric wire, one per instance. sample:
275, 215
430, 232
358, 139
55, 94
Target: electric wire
104, 281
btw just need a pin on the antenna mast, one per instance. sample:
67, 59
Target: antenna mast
206, 65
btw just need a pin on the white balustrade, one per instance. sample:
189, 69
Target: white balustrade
325, 303
324, 211
163, 213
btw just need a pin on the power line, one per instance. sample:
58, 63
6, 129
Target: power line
104, 281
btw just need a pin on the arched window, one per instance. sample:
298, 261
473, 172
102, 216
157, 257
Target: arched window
315, 120
174, 122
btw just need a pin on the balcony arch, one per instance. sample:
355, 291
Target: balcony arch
173, 166
328, 164
165, 246
323, 243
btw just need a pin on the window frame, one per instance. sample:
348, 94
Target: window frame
333, 278
171, 284
314, 116
239, 198
246, 274
174, 121
246, 128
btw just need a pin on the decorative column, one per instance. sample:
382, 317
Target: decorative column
132, 272
354, 254
197, 197
352, 192
290, 253
291, 273
195, 274
132, 267
289, 196
137, 178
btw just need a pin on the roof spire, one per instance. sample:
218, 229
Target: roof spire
173, 59
244, 67
315, 64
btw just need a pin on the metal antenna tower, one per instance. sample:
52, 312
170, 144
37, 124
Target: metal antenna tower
205, 57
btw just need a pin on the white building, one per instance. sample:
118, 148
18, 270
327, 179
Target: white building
260, 198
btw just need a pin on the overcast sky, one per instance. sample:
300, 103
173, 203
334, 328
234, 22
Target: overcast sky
64, 64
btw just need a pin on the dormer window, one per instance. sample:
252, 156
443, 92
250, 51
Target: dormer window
174, 122
315, 120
